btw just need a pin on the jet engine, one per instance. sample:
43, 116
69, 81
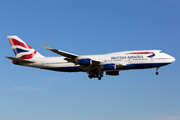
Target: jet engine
84, 61
110, 66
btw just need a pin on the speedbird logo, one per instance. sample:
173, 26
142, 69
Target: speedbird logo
152, 53
21, 49
139, 55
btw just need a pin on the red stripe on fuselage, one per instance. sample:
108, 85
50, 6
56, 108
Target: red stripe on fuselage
142, 53
28, 56
16, 42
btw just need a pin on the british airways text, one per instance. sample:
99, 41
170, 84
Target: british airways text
127, 57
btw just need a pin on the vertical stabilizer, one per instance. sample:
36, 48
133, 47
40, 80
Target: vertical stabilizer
21, 49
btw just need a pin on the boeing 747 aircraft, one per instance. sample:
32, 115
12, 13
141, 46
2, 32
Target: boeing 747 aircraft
94, 65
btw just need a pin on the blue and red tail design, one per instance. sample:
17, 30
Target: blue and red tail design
21, 49
152, 53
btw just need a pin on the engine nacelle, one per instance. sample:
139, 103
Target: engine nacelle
112, 73
110, 66
85, 61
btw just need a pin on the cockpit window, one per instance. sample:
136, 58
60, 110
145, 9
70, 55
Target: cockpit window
161, 52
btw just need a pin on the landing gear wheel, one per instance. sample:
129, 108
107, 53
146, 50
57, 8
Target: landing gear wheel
101, 75
90, 76
157, 73
95, 75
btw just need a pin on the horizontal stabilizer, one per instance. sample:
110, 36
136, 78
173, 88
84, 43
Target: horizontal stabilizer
19, 60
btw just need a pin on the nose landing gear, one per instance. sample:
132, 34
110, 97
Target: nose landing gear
157, 73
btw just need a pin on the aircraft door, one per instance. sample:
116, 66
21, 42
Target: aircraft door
130, 60
43, 64
152, 59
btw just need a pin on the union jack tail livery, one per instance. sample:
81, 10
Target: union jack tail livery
21, 49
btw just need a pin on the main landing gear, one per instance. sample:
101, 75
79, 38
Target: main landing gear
157, 73
99, 76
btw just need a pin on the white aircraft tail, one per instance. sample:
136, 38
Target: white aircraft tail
21, 49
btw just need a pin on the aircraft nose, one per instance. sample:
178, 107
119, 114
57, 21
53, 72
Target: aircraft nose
173, 59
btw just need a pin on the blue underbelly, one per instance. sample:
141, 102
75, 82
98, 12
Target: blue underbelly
128, 67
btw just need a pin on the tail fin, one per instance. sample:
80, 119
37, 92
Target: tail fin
21, 49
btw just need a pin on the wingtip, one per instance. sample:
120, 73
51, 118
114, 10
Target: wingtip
46, 47
7, 57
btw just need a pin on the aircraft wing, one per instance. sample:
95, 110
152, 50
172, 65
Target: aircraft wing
69, 56
73, 57
19, 60
65, 54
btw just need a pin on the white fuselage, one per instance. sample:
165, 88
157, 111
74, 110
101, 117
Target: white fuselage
94, 65
132, 60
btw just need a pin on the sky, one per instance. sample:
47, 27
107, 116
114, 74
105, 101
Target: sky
90, 27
